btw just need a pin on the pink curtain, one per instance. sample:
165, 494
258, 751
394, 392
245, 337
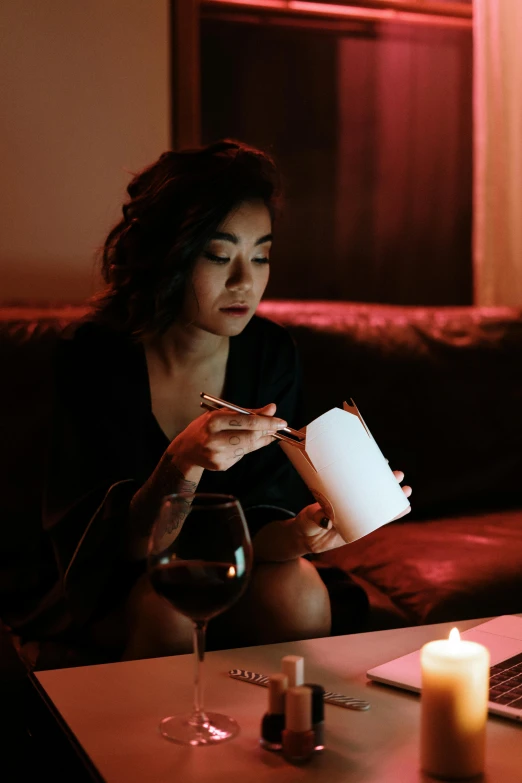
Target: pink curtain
497, 246
404, 174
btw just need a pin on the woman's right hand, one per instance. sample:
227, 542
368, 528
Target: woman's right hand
218, 439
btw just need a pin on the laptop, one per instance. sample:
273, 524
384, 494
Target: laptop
503, 638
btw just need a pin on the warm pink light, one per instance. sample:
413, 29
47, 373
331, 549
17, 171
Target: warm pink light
300, 5
345, 11
340, 10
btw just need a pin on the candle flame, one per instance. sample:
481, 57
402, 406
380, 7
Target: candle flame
454, 636
231, 572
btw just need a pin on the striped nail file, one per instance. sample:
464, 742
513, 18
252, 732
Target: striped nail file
332, 698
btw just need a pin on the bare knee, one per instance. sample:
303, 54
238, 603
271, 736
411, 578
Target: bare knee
296, 596
154, 627
284, 602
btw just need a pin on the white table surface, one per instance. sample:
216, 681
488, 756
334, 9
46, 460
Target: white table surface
114, 711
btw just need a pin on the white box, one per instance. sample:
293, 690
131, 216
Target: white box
346, 472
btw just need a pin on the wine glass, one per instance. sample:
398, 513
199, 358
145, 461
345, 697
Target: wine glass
199, 559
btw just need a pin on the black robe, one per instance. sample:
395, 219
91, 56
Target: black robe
106, 442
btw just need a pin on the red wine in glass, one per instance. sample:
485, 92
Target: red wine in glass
199, 560
198, 589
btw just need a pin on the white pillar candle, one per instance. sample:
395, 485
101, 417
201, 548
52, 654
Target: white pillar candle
454, 707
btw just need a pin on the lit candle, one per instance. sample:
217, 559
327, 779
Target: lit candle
454, 707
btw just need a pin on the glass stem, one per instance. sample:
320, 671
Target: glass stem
198, 716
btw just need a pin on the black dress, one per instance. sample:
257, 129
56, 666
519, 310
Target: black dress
106, 443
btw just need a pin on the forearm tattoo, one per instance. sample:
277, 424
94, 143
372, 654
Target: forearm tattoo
167, 479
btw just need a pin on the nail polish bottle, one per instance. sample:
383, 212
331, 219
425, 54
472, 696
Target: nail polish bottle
298, 737
273, 721
317, 714
293, 667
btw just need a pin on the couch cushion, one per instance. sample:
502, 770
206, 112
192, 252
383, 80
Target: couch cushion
440, 390
443, 569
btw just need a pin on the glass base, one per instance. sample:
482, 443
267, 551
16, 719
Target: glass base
184, 730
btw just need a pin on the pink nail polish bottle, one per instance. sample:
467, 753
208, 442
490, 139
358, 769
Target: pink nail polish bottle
298, 736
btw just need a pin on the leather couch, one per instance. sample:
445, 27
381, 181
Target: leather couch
441, 391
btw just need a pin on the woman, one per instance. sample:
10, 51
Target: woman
184, 269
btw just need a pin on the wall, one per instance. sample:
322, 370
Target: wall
84, 90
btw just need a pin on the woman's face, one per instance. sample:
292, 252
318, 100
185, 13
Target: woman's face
230, 276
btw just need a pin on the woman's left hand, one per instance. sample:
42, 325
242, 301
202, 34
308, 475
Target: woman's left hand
317, 533
399, 475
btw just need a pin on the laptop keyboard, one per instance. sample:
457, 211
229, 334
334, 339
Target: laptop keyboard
505, 683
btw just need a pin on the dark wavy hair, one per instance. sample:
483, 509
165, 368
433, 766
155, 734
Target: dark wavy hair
175, 206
